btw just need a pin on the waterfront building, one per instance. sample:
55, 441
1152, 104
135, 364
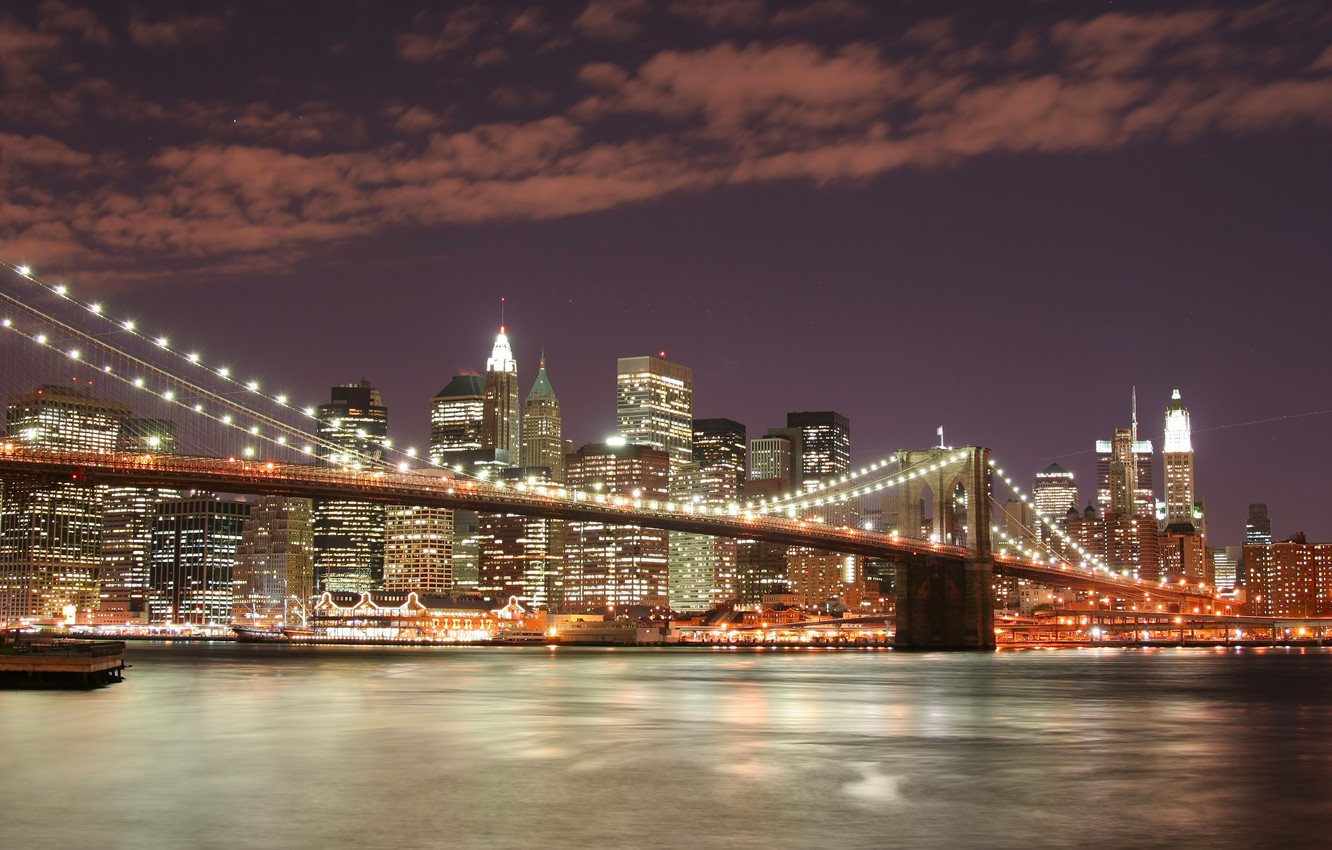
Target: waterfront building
193, 560
457, 415
520, 556
1226, 562
500, 413
410, 616
349, 535
654, 403
543, 432
1292, 578
274, 560
615, 564
418, 549
51, 532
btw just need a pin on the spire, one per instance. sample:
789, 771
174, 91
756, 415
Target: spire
541, 388
501, 356
1135, 413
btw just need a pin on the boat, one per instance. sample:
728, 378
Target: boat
520, 636
258, 634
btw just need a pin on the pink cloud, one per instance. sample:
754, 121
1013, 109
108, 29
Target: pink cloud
612, 20
175, 31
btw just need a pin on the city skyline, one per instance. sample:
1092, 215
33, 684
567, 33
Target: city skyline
976, 288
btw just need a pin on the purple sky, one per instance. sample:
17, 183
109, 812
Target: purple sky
993, 218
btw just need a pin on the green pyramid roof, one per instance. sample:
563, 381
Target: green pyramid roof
541, 388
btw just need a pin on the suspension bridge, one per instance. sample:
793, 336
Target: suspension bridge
233, 436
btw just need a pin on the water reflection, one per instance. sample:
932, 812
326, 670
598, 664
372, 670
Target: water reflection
261, 746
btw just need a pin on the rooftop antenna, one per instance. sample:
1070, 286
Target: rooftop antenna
502, 300
1135, 413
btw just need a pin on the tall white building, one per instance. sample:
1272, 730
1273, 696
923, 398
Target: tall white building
500, 416
1182, 510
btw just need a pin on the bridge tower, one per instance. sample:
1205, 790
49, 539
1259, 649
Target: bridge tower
944, 603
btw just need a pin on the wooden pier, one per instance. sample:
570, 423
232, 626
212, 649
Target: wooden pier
61, 663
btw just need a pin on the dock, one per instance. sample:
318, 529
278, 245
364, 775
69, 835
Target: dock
61, 663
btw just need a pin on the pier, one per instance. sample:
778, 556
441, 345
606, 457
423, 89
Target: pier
61, 663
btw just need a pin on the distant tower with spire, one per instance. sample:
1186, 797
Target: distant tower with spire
1181, 509
499, 423
543, 432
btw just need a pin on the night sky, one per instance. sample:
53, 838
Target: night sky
997, 218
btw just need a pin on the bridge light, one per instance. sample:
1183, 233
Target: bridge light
128, 325
281, 441
307, 449
249, 451
168, 395
138, 382
254, 429
161, 342
73, 354
224, 372
252, 386
226, 419
198, 408
280, 399
411, 452
40, 339
61, 290
24, 270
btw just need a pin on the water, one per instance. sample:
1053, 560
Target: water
237, 746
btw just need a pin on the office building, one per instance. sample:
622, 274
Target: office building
518, 555
274, 561
1052, 495
193, 560
127, 527
543, 431
500, 413
720, 451
1292, 578
1124, 482
457, 415
418, 549
349, 535
654, 405
1258, 527
51, 532
1183, 512
825, 444
615, 565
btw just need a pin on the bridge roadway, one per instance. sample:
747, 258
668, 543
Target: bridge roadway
232, 475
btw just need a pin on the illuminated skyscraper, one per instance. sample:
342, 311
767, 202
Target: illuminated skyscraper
457, 415
1124, 472
499, 424
615, 564
825, 444
51, 533
274, 560
127, 527
1052, 495
418, 549
1258, 527
543, 434
703, 567
1182, 512
193, 560
654, 405
521, 556
720, 450
349, 535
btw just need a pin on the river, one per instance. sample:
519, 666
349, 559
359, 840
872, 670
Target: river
237, 746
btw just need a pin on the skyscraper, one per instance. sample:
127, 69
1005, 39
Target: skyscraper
274, 560
1183, 513
457, 415
543, 433
1053, 494
193, 560
499, 424
418, 549
127, 527
825, 444
349, 535
1124, 472
519, 555
51, 532
1258, 527
703, 567
654, 405
615, 564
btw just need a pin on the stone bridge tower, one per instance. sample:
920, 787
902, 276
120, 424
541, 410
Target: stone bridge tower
944, 602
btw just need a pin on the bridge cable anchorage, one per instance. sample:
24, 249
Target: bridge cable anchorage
866, 481
239, 415
1089, 557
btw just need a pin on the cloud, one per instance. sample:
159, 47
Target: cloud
81, 22
455, 32
612, 20
253, 185
175, 31
721, 14
821, 11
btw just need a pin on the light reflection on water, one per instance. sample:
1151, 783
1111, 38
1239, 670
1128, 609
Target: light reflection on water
233, 746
